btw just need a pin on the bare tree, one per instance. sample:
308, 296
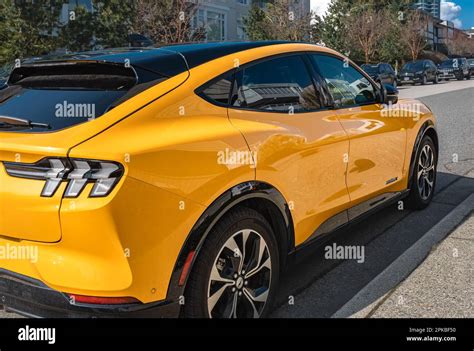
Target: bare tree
460, 44
167, 21
366, 29
412, 32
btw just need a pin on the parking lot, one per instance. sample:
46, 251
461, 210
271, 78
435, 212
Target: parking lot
317, 287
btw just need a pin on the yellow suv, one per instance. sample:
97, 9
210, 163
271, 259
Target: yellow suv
180, 180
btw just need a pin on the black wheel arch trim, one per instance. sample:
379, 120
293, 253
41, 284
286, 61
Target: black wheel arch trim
234, 196
427, 126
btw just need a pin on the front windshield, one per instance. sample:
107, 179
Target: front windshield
449, 63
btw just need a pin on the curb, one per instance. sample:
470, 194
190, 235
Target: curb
406, 263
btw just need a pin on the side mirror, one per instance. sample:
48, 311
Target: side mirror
389, 94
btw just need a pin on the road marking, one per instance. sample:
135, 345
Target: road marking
402, 267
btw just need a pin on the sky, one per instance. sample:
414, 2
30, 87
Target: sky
461, 12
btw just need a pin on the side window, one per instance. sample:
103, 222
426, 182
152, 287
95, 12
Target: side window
282, 85
347, 85
219, 90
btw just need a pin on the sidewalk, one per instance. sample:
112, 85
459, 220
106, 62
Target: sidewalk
441, 287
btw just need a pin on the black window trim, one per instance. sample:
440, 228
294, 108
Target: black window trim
235, 71
362, 72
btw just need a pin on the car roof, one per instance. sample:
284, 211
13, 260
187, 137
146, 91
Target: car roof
166, 59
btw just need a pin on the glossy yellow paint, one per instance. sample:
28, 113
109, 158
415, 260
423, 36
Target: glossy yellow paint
127, 243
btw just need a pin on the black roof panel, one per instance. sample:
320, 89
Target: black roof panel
166, 60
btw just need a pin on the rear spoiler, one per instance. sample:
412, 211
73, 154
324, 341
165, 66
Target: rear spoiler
85, 74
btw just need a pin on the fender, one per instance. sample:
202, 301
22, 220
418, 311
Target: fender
224, 203
427, 126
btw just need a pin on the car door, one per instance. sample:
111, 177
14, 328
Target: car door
298, 144
377, 142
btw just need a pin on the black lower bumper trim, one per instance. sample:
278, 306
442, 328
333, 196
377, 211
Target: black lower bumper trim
31, 298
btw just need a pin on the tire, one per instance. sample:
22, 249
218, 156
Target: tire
425, 80
423, 174
218, 259
468, 77
436, 80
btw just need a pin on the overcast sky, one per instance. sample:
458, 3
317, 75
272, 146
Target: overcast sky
461, 12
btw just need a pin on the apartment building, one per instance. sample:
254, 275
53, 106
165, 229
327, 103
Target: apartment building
223, 19
433, 7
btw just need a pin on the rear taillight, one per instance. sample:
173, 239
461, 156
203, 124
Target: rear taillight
77, 172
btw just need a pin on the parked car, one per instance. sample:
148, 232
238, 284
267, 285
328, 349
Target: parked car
421, 71
382, 73
184, 176
456, 68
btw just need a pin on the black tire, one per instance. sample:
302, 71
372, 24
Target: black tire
416, 200
198, 289
436, 80
424, 81
468, 77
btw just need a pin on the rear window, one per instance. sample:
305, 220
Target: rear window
60, 95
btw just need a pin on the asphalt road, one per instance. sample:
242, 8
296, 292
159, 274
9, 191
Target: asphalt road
317, 287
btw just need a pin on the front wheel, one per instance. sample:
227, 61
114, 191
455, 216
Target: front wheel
236, 272
423, 180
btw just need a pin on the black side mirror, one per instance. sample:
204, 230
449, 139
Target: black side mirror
389, 94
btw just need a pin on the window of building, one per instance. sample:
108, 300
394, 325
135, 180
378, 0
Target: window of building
281, 85
213, 22
348, 86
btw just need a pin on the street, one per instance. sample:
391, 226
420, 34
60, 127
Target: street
317, 287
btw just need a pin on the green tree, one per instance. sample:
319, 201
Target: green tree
28, 28
281, 20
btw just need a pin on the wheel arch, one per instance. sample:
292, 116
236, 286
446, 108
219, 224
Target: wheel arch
260, 196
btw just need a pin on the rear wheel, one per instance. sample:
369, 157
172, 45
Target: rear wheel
423, 181
424, 81
237, 270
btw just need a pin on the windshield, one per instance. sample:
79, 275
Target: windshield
413, 66
61, 94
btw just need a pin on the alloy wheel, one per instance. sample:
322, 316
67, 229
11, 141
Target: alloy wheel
426, 172
240, 277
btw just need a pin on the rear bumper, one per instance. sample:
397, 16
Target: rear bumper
31, 298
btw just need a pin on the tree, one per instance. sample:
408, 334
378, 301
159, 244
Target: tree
461, 45
367, 27
255, 24
27, 28
413, 33
281, 20
334, 31
167, 21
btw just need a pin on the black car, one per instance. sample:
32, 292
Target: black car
420, 71
382, 73
456, 68
471, 66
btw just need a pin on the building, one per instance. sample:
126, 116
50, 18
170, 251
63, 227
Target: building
224, 19
433, 7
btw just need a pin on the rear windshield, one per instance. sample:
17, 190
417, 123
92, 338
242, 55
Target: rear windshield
371, 69
412, 66
54, 96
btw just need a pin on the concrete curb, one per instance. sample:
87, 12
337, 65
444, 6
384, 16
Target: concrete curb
399, 269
